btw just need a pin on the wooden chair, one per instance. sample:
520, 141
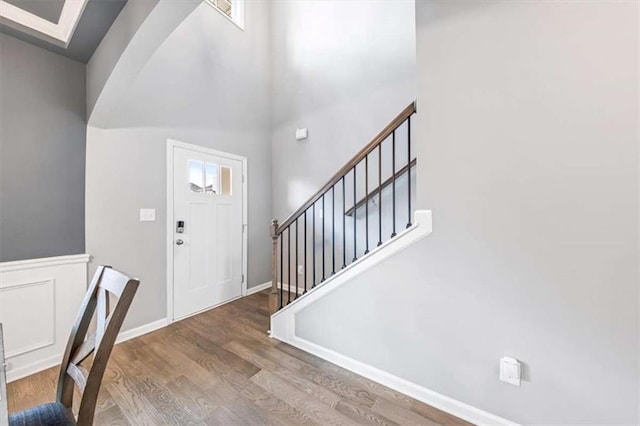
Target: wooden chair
99, 343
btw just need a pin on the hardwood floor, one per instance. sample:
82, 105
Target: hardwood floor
221, 368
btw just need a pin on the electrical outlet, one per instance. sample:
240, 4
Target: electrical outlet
300, 269
510, 370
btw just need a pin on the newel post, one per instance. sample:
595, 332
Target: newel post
273, 296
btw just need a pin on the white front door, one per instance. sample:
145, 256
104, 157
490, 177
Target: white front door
207, 230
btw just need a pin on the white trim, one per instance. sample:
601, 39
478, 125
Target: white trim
237, 11
421, 393
59, 34
285, 286
142, 330
69, 18
45, 262
258, 288
171, 144
18, 373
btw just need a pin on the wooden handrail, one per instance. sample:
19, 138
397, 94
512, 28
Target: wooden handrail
384, 134
375, 192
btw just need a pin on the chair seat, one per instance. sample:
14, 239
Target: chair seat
53, 414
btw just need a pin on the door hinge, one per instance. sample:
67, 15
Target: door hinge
242, 278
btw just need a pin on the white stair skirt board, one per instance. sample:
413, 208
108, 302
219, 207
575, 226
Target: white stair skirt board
283, 328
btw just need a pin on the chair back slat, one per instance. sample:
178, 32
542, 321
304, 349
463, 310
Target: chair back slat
102, 313
86, 348
106, 280
79, 375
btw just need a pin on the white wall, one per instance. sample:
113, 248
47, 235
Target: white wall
341, 70
528, 145
207, 85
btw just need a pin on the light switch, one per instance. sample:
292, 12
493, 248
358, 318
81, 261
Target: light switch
147, 215
510, 370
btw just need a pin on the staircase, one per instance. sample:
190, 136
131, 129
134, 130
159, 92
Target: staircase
362, 207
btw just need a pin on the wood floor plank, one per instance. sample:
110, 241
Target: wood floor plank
221, 368
269, 402
112, 416
315, 409
190, 395
334, 382
363, 415
312, 389
399, 414
355, 380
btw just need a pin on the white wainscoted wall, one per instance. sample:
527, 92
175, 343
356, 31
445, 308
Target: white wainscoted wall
39, 301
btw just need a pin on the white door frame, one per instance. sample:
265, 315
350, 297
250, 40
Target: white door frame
171, 144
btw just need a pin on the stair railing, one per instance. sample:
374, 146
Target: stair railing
301, 227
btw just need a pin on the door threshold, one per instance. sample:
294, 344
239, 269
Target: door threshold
201, 311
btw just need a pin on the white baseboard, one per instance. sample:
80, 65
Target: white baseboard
35, 367
300, 290
23, 371
265, 286
258, 288
143, 329
429, 397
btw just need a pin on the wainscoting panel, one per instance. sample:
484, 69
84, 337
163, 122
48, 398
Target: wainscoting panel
39, 301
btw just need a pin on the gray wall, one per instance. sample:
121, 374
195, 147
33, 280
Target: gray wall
206, 85
341, 70
528, 142
42, 152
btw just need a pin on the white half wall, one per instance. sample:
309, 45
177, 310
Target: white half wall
39, 302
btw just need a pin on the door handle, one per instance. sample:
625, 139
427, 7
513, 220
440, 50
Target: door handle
179, 242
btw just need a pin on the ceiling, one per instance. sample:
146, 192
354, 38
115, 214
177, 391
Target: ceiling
72, 28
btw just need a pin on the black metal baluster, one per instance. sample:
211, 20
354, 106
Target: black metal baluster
393, 181
324, 213
281, 268
289, 262
380, 194
355, 253
304, 268
333, 227
344, 226
296, 264
313, 236
409, 170
366, 204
